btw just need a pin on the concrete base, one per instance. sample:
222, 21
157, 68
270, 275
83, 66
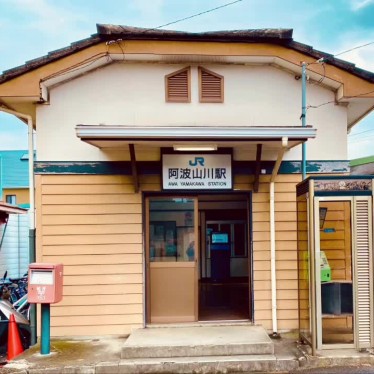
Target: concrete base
208, 364
197, 342
202, 349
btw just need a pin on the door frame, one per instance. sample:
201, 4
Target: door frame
194, 194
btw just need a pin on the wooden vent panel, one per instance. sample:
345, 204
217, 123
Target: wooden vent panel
363, 273
178, 86
211, 86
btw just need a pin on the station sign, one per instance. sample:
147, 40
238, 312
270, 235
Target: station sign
197, 171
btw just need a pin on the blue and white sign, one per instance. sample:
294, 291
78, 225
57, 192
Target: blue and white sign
196, 172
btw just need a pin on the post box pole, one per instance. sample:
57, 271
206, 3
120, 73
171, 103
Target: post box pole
45, 346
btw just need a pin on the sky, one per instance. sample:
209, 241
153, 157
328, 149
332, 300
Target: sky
31, 28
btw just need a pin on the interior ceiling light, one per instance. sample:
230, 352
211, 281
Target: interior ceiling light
192, 147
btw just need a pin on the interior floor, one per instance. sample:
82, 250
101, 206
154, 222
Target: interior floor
227, 300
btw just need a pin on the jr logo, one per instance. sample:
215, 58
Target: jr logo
198, 160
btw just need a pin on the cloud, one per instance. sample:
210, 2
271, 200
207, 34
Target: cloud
150, 11
360, 4
363, 56
46, 17
358, 148
10, 140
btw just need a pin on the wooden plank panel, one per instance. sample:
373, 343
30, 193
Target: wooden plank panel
286, 265
261, 274
261, 265
103, 289
261, 236
101, 300
94, 189
287, 305
96, 259
282, 314
262, 285
72, 179
94, 310
262, 305
292, 324
92, 239
286, 274
285, 216
92, 209
261, 256
92, 229
261, 217
116, 330
285, 226
98, 320
104, 278
286, 235
64, 250
261, 226
286, 255
91, 199
280, 245
103, 269
89, 219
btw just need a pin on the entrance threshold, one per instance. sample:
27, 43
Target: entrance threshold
189, 341
202, 324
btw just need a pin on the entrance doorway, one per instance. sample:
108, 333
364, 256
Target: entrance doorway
198, 258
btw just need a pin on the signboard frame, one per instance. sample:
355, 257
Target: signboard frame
197, 155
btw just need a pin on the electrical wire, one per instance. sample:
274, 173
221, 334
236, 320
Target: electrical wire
334, 101
362, 132
352, 49
88, 62
194, 15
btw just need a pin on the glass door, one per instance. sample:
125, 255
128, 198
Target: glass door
334, 280
171, 258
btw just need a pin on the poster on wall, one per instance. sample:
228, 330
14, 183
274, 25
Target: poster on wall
196, 171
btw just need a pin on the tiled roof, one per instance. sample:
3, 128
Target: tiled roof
115, 32
14, 172
362, 161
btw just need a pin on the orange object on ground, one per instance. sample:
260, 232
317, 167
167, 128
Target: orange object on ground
14, 341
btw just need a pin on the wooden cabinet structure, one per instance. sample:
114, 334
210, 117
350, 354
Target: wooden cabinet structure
335, 216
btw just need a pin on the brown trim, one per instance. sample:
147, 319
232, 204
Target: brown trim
258, 168
213, 97
184, 97
134, 169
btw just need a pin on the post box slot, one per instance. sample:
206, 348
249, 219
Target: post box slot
41, 277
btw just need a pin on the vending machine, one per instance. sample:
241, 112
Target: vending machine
220, 256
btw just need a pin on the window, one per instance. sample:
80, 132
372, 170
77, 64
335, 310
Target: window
177, 86
210, 86
11, 199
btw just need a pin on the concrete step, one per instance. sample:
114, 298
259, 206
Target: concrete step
208, 364
197, 341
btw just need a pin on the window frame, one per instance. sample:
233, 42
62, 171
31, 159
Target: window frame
203, 99
182, 100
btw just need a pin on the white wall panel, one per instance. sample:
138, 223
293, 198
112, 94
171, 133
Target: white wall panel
134, 94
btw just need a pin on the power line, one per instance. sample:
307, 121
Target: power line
352, 49
359, 133
195, 15
334, 101
359, 140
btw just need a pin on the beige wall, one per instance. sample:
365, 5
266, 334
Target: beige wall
93, 225
285, 246
22, 195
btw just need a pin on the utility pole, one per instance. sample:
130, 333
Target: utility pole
303, 116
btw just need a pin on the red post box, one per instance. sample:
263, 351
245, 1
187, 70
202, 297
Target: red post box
45, 283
